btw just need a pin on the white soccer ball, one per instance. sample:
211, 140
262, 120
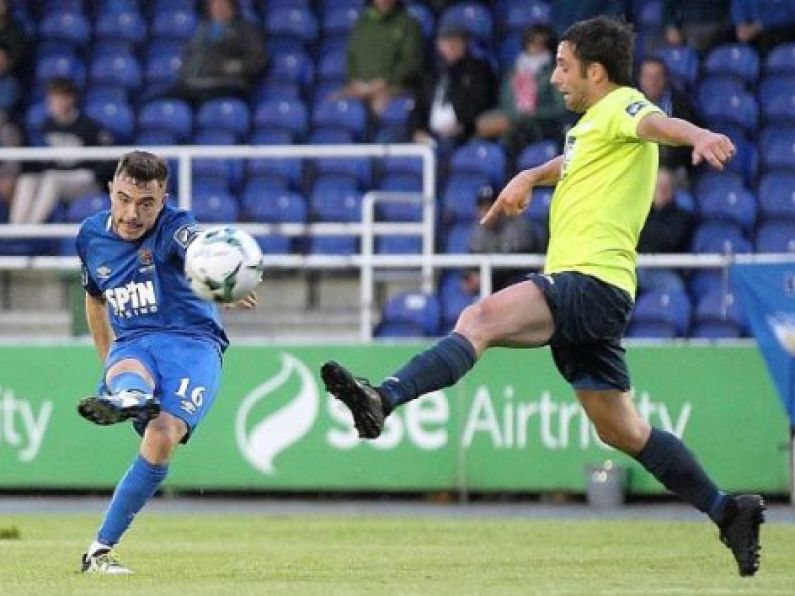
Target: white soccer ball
223, 264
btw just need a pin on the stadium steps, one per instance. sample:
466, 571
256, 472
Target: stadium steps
29, 324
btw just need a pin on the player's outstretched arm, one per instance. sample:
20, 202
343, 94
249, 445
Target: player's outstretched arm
714, 148
515, 197
98, 325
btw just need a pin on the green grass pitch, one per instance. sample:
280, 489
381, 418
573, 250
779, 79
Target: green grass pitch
271, 554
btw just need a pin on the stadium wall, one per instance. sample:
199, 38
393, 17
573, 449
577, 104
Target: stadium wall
511, 425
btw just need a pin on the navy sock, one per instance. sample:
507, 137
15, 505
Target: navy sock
667, 458
437, 367
131, 494
127, 381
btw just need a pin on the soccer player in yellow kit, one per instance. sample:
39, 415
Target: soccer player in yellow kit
582, 302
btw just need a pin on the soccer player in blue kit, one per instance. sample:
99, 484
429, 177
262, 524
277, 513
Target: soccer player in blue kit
161, 345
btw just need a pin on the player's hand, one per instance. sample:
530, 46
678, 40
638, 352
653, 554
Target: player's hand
248, 302
716, 149
513, 199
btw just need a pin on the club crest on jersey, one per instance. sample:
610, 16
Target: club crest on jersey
103, 272
145, 257
636, 106
185, 234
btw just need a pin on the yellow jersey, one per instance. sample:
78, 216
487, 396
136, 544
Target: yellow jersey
605, 191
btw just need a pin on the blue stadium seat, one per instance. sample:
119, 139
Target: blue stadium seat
777, 99
276, 91
734, 59
286, 171
176, 24
225, 113
400, 182
96, 93
154, 138
717, 316
286, 4
710, 180
228, 171
332, 68
395, 116
777, 148
721, 238
170, 115
425, 18
682, 63
358, 169
734, 206
214, 207
746, 161
737, 108
126, 25
335, 199
292, 67
334, 245
282, 115
275, 244
457, 239
781, 60
777, 196
162, 69
116, 116
538, 210
330, 136
346, 114
290, 29
480, 157
660, 315
209, 183
61, 66
112, 47
329, 5
704, 281
459, 197
398, 245
399, 211
520, 15
164, 6
275, 206
338, 22
416, 311
473, 17
453, 300
83, 207
269, 136
775, 236
648, 14
718, 86
64, 25
402, 165
124, 71
537, 154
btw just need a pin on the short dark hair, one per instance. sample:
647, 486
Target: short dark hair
142, 166
655, 60
62, 86
606, 41
539, 30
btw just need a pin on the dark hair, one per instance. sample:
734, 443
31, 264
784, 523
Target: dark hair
538, 29
62, 86
655, 60
142, 166
606, 41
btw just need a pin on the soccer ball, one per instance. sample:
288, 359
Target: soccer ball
223, 264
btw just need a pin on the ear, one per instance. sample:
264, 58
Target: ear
597, 72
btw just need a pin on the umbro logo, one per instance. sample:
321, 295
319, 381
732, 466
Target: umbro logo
103, 272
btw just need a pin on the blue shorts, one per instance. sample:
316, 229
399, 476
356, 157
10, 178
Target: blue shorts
590, 317
186, 371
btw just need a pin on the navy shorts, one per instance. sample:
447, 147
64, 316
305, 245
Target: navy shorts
590, 317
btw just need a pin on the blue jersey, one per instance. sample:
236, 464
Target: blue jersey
143, 281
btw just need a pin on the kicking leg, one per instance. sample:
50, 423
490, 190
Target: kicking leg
131, 387
518, 316
665, 456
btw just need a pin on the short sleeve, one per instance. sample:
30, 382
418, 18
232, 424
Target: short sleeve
86, 280
180, 232
630, 113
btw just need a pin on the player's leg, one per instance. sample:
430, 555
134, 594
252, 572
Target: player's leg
517, 316
130, 391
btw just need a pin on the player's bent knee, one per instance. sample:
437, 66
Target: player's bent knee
129, 365
474, 322
162, 436
630, 439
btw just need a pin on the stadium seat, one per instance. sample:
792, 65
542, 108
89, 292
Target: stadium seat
330, 136
358, 169
536, 154
733, 59
718, 86
520, 15
775, 236
292, 67
682, 63
329, 5
176, 24
123, 71
453, 300
459, 198
660, 315
276, 91
65, 25
777, 148
457, 238
777, 100
538, 210
739, 207
214, 207
162, 69
269, 136
226, 113
346, 114
83, 207
116, 116
413, 311
334, 245
402, 165
171, 115
126, 25
209, 182
164, 6
781, 60
399, 210
61, 66
717, 316
335, 199
710, 180
473, 17
290, 116
332, 69
398, 245
737, 108
290, 29
95, 93
155, 138
275, 244
275, 206
229, 171
339, 21
286, 171
746, 161
721, 238
777, 196
480, 157
425, 18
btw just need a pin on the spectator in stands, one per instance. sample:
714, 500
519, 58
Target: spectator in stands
653, 81
463, 88
530, 108
37, 192
668, 229
14, 40
225, 56
701, 24
384, 55
9, 85
765, 23
506, 235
